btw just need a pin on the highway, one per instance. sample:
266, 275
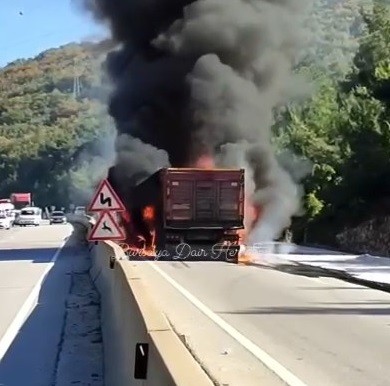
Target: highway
246, 325
315, 331
32, 310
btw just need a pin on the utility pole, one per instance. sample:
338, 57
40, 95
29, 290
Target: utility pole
76, 82
76, 87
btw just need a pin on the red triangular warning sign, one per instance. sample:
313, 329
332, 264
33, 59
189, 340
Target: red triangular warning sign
106, 228
106, 199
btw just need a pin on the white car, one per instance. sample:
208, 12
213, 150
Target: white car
58, 217
29, 216
5, 222
80, 211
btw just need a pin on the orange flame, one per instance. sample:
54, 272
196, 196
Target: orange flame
253, 213
138, 245
148, 213
205, 162
126, 216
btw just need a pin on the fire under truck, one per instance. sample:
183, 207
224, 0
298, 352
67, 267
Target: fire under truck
184, 213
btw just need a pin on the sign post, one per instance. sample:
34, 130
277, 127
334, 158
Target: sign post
106, 202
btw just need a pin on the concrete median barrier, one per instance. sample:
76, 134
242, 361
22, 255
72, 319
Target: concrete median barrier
134, 329
81, 227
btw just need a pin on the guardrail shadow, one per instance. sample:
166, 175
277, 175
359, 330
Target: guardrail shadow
32, 357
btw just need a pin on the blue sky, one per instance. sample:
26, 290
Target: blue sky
43, 25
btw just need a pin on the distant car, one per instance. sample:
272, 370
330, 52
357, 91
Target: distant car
5, 222
80, 211
58, 217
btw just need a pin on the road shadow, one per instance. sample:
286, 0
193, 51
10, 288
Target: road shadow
363, 260
282, 248
359, 303
294, 269
32, 357
384, 311
330, 288
316, 272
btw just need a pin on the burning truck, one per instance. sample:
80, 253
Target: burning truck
196, 81
184, 213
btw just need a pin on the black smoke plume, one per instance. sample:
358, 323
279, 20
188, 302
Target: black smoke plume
195, 78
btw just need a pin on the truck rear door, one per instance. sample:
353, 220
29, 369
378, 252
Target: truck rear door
230, 200
204, 198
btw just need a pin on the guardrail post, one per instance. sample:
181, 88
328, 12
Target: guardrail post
141, 360
112, 262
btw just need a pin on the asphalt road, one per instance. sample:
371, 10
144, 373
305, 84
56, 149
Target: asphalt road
320, 331
31, 310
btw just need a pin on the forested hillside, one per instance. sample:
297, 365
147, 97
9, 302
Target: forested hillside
50, 128
47, 120
335, 27
344, 130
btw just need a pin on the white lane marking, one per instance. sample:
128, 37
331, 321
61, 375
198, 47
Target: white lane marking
15, 262
27, 307
288, 377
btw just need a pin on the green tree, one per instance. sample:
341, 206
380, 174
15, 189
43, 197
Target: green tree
344, 130
311, 130
43, 128
372, 61
366, 123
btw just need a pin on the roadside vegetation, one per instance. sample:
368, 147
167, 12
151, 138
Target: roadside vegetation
47, 122
344, 131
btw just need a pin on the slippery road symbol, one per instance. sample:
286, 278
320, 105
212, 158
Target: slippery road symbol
106, 227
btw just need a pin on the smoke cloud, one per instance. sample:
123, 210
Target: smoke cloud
194, 78
137, 160
90, 167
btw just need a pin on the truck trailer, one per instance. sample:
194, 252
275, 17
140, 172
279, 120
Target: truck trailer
185, 213
21, 200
